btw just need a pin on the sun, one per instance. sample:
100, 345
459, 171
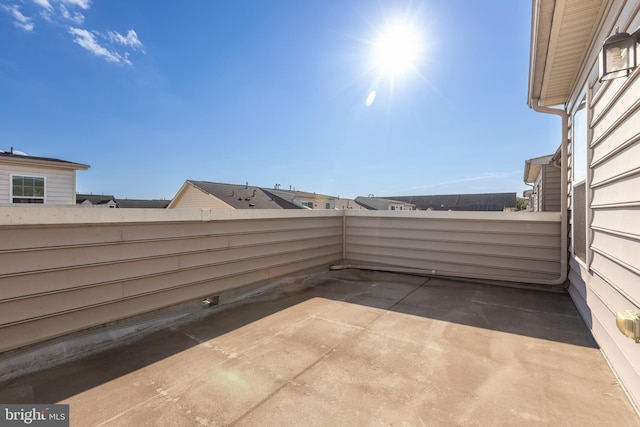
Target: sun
397, 49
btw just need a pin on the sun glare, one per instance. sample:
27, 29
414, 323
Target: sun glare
397, 50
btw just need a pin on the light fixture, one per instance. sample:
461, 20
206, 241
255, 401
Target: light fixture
619, 56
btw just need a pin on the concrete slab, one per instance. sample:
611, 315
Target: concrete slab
351, 348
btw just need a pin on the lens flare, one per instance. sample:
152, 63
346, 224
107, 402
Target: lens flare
370, 99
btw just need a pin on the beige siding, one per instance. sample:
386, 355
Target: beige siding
192, 197
520, 247
5, 182
60, 184
67, 269
551, 185
610, 280
85, 267
536, 194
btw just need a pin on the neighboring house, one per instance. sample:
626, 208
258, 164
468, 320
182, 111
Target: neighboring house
461, 202
348, 204
526, 195
383, 204
95, 200
600, 152
544, 174
108, 201
303, 199
37, 180
214, 195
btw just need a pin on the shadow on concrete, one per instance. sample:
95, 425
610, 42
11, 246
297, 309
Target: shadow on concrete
541, 315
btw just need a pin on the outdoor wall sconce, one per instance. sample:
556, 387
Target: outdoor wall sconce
628, 322
619, 55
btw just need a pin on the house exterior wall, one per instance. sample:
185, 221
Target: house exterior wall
193, 197
536, 195
314, 203
607, 280
60, 184
551, 188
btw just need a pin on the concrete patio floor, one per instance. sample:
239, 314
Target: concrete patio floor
350, 348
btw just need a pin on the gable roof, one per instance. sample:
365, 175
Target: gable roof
26, 160
243, 196
461, 202
533, 166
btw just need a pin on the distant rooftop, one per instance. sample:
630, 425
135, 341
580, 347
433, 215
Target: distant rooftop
244, 196
461, 202
141, 203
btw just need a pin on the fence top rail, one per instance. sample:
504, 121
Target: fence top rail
463, 215
68, 215
57, 215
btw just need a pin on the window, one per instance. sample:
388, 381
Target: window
579, 167
327, 205
27, 189
307, 204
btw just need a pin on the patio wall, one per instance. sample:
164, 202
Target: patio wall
64, 270
69, 269
505, 246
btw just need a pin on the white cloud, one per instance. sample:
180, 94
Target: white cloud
130, 40
21, 21
76, 17
69, 15
44, 3
83, 4
87, 40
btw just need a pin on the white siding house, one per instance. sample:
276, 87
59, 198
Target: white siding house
544, 175
600, 163
37, 180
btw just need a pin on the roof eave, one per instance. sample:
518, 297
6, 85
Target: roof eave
58, 164
562, 38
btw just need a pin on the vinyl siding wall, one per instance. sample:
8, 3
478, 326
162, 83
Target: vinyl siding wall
60, 184
507, 246
551, 188
68, 269
609, 280
65, 270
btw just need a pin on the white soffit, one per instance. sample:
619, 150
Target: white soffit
573, 26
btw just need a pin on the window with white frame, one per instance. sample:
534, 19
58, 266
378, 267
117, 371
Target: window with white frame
307, 204
579, 168
27, 189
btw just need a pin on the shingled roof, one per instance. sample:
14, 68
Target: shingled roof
461, 202
243, 196
26, 159
143, 203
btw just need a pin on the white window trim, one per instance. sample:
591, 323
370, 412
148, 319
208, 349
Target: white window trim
27, 175
586, 180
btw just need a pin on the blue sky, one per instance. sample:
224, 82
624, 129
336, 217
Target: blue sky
151, 93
